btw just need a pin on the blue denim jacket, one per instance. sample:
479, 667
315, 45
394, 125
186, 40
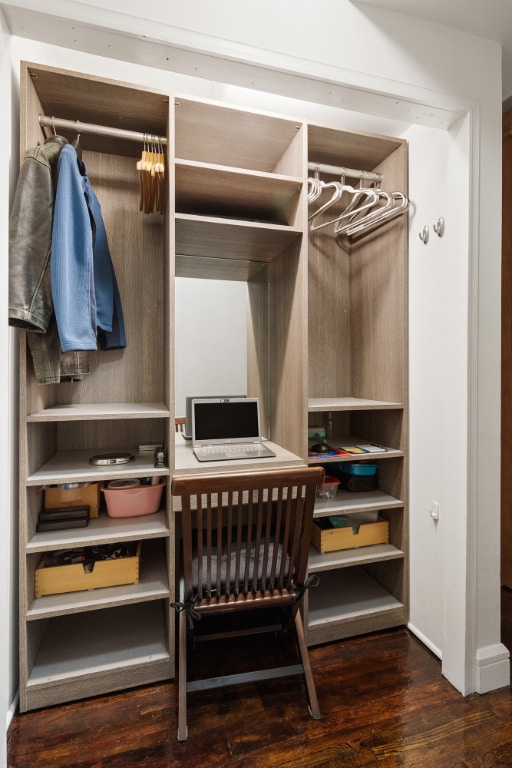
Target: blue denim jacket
84, 287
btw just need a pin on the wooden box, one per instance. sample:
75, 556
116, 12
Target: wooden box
58, 579
329, 539
56, 497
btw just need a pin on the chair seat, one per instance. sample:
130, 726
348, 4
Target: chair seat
227, 569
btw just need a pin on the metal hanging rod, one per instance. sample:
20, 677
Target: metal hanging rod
103, 130
349, 172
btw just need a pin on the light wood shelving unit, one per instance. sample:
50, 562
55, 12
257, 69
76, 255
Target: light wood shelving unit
327, 341
81, 644
357, 362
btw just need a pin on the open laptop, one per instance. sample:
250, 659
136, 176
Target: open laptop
226, 428
188, 410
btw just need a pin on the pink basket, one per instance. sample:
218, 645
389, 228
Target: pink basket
132, 502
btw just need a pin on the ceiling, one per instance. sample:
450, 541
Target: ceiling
491, 19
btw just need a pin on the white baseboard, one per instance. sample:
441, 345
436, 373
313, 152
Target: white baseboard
435, 650
11, 711
492, 668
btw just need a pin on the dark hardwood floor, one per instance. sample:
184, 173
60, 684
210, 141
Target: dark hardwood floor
384, 703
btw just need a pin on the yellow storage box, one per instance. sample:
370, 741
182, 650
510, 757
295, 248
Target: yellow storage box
122, 567
328, 538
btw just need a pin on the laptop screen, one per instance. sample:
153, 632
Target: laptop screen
226, 420
188, 414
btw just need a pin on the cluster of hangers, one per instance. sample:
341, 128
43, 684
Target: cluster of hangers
350, 210
151, 168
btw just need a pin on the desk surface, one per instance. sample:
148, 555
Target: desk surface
185, 463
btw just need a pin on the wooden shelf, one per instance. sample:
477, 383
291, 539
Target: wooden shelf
220, 134
346, 502
211, 237
344, 558
80, 656
214, 190
209, 247
320, 404
101, 530
100, 411
346, 594
338, 442
74, 467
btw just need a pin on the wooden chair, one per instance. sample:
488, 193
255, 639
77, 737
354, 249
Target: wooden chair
180, 422
245, 544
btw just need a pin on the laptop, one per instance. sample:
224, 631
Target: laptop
188, 410
225, 428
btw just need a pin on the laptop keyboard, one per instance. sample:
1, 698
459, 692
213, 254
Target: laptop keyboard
245, 448
235, 451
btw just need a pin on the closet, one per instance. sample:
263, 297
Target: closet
326, 345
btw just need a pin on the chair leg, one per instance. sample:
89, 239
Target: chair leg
182, 678
310, 683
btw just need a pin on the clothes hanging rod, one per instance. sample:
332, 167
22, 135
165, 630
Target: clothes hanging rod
349, 172
103, 130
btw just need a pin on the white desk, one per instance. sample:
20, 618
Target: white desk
185, 463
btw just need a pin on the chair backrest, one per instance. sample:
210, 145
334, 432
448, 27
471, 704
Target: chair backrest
179, 423
246, 536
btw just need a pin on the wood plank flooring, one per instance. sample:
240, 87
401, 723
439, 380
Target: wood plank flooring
384, 703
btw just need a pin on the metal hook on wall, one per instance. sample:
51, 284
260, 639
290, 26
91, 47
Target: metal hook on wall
439, 227
425, 234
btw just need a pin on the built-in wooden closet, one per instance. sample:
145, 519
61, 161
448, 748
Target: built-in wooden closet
327, 343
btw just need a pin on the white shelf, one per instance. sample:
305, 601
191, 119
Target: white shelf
153, 585
344, 558
347, 594
101, 530
83, 645
100, 411
346, 502
320, 404
73, 466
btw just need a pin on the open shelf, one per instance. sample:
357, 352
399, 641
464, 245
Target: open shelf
363, 501
343, 558
101, 530
321, 404
73, 467
222, 191
207, 132
100, 411
347, 593
351, 440
214, 248
81, 651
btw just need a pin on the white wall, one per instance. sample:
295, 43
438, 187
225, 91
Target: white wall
455, 376
8, 419
210, 338
438, 360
